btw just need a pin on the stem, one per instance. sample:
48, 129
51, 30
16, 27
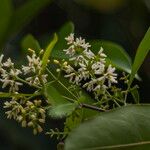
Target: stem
115, 99
70, 99
28, 83
92, 107
9, 95
86, 105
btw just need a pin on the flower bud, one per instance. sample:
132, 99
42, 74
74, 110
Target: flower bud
34, 131
39, 129
30, 124
56, 61
24, 123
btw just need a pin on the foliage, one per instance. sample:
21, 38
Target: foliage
76, 82
117, 129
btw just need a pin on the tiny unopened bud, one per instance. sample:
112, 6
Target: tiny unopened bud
41, 51
42, 120
56, 61
41, 110
30, 124
39, 129
57, 70
29, 103
31, 50
32, 107
34, 131
19, 118
33, 117
37, 102
24, 123
65, 63
23, 111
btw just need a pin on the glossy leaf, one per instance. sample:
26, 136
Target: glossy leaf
126, 128
61, 44
53, 96
6, 11
116, 54
60, 106
63, 110
30, 42
24, 14
142, 51
48, 51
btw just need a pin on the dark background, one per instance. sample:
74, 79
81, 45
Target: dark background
122, 21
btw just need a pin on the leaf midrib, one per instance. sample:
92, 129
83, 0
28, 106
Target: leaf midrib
119, 146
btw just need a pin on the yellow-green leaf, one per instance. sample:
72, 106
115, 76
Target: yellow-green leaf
47, 52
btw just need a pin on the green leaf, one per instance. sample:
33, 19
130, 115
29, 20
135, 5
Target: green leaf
6, 11
116, 54
53, 96
60, 106
135, 94
63, 110
24, 14
65, 30
126, 128
142, 51
47, 52
30, 42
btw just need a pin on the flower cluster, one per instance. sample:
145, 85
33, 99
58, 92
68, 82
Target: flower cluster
23, 109
9, 75
89, 70
28, 113
32, 72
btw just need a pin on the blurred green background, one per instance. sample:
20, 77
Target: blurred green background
121, 21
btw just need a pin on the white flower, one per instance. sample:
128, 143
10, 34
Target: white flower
111, 76
89, 54
33, 69
90, 85
77, 80
83, 72
15, 107
27, 69
44, 78
78, 59
68, 69
8, 63
70, 51
14, 86
70, 39
34, 64
14, 72
90, 70
34, 60
101, 54
8, 79
81, 43
97, 88
70, 76
98, 68
1, 59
